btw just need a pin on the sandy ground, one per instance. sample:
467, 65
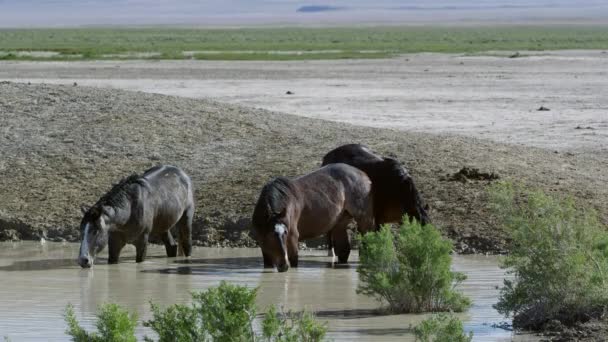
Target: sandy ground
490, 97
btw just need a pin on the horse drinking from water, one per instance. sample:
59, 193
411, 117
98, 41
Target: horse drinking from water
394, 191
136, 208
290, 210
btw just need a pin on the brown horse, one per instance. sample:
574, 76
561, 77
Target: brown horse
394, 191
290, 210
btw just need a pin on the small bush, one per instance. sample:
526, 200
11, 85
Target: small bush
227, 313
292, 327
559, 259
441, 328
224, 313
113, 324
175, 323
410, 269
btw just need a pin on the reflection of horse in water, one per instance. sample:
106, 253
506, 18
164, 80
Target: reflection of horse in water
326, 200
136, 208
393, 188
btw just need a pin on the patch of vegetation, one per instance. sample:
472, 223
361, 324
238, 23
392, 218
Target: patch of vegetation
442, 328
559, 259
224, 313
410, 269
113, 324
313, 43
292, 327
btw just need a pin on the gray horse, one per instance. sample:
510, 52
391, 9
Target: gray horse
135, 209
291, 210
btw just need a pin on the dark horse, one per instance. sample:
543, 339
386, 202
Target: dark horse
394, 191
136, 208
290, 210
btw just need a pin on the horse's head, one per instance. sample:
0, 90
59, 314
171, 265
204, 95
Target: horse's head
274, 241
271, 222
411, 201
93, 234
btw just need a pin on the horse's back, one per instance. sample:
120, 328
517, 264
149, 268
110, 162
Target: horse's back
352, 154
348, 178
167, 175
170, 192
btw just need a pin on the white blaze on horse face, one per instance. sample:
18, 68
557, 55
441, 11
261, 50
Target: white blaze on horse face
84, 247
281, 229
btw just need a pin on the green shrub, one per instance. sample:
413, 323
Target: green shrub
410, 269
292, 327
441, 328
224, 313
113, 324
227, 313
559, 258
176, 323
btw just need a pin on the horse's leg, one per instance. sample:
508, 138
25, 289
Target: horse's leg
141, 247
115, 244
330, 245
292, 247
342, 245
341, 239
184, 228
267, 260
170, 245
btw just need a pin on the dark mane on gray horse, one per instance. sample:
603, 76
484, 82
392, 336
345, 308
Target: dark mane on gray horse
117, 197
276, 194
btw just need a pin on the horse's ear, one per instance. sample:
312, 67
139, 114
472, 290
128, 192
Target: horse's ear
84, 208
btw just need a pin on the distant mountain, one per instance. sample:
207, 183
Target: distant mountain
313, 8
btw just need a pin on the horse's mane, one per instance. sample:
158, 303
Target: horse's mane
116, 197
353, 154
273, 200
399, 175
396, 171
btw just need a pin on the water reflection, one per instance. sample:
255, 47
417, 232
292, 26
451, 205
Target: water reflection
36, 282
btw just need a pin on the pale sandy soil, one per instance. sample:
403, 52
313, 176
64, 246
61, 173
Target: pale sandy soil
491, 97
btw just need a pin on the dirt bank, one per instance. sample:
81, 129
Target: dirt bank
62, 146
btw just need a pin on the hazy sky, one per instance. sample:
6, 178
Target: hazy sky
23, 13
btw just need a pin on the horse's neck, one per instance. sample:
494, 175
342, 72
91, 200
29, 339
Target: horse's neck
121, 216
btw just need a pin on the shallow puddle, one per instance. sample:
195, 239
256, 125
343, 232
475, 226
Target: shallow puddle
37, 281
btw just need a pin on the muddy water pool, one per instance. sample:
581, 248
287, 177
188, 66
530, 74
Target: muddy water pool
38, 280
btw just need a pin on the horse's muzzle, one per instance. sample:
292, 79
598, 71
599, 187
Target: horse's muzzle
283, 267
84, 262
